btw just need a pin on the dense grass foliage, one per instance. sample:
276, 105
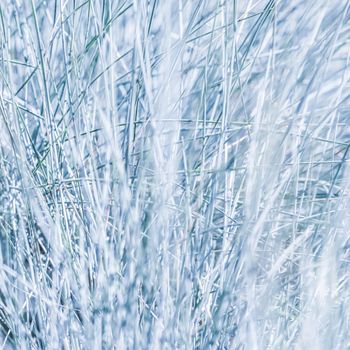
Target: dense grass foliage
174, 174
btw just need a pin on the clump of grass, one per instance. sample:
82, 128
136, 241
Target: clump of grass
173, 174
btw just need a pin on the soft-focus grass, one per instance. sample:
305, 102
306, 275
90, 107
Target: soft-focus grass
173, 174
